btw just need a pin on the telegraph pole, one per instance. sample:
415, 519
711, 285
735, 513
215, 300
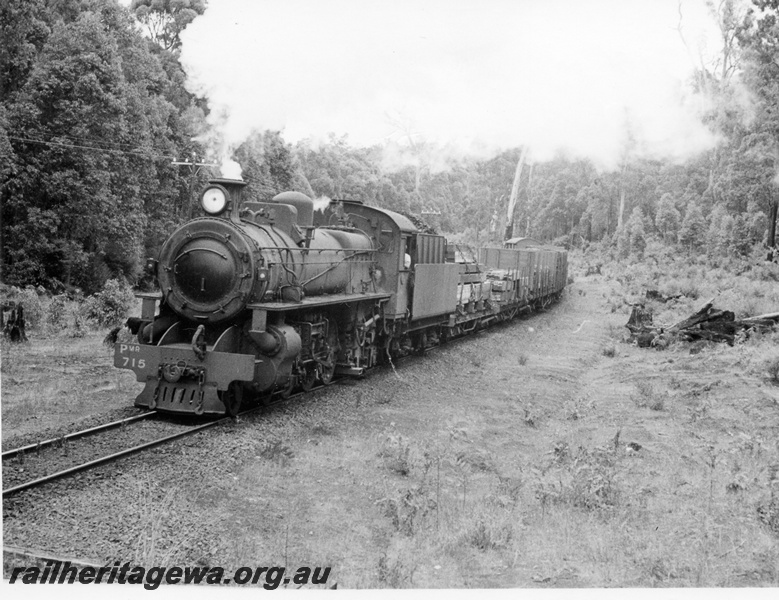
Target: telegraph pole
194, 167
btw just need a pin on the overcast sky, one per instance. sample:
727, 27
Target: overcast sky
478, 75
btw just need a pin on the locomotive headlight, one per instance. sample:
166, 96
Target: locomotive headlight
214, 200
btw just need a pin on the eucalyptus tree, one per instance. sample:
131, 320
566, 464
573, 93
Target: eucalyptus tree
760, 38
90, 132
164, 20
668, 219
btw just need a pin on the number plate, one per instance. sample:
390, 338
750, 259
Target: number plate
130, 356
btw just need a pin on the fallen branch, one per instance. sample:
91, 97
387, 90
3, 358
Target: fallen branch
707, 323
698, 317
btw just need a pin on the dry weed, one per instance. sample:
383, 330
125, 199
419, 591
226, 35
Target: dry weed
277, 452
586, 480
646, 396
407, 508
395, 452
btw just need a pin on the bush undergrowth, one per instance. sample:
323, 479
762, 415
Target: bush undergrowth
72, 316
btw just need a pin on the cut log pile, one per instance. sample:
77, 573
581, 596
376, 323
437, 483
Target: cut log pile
708, 323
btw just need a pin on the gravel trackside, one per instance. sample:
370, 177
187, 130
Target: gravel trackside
546, 452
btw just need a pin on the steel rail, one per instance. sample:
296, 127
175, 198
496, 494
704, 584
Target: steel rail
114, 456
76, 434
136, 449
142, 447
279, 399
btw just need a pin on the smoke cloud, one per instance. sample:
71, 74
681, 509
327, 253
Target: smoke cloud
321, 203
470, 76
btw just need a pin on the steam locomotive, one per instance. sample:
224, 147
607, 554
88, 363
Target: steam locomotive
262, 298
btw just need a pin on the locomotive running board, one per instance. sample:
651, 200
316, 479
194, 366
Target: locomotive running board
314, 301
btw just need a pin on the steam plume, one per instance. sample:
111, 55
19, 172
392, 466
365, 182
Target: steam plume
474, 76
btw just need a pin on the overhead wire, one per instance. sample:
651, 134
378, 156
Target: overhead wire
261, 182
94, 148
95, 140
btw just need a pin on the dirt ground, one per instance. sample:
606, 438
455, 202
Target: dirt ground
54, 380
544, 453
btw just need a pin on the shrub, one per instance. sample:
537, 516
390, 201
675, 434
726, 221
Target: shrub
34, 313
57, 311
765, 272
276, 451
395, 452
485, 536
772, 369
476, 460
578, 407
407, 508
647, 397
768, 510
586, 480
109, 307
394, 570
79, 328
593, 485
657, 404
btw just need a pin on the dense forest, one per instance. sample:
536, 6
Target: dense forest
94, 112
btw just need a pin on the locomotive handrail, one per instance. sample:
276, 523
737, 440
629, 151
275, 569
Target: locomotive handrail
321, 300
200, 250
309, 250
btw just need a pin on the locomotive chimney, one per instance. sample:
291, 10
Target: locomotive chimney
303, 204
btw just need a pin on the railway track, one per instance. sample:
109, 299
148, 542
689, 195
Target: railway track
88, 464
37, 453
76, 435
54, 459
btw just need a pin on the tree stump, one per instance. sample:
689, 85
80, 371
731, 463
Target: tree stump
13, 324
